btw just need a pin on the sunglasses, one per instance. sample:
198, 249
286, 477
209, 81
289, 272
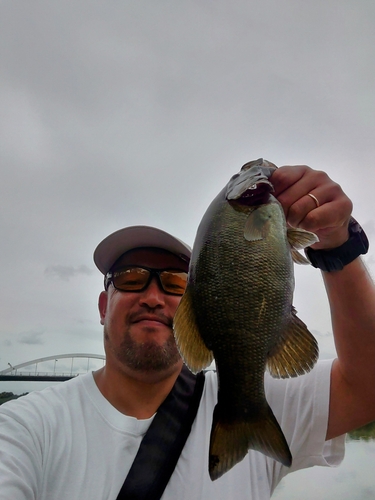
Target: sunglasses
137, 279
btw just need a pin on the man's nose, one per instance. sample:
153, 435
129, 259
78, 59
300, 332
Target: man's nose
153, 296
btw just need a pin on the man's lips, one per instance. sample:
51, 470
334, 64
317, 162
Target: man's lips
151, 318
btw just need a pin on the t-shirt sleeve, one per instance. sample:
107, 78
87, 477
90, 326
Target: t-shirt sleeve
301, 406
20, 453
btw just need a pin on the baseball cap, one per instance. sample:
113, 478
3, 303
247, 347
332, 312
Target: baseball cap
129, 238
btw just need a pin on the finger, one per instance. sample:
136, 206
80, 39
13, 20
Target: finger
309, 205
329, 222
301, 189
284, 177
298, 187
316, 201
293, 182
331, 214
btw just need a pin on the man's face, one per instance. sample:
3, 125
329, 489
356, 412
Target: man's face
138, 325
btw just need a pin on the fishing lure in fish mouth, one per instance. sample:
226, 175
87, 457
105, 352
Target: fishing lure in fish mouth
251, 186
237, 309
256, 194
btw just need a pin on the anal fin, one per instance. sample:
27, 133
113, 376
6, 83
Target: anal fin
296, 352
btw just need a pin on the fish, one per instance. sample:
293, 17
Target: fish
237, 310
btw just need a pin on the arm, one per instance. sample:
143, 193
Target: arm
351, 294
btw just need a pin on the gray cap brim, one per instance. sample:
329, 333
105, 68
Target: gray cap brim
129, 238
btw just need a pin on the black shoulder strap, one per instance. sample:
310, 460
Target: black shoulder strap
163, 442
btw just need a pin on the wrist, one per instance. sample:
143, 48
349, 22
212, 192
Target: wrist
335, 259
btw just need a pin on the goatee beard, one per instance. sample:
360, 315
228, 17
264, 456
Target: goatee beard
145, 356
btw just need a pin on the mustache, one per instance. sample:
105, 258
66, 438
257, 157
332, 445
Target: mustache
145, 313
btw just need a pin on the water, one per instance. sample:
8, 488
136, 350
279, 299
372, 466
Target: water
354, 479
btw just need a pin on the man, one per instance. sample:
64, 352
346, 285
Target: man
78, 440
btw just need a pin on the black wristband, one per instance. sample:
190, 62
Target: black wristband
336, 258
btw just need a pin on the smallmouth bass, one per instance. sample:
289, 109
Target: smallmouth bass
237, 309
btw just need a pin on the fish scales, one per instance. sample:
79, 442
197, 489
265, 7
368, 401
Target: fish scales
237, 309
229, 325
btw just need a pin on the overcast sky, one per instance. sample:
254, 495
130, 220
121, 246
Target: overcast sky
117, 113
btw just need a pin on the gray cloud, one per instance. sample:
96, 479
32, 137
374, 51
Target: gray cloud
67, 272
118, 113
32, 338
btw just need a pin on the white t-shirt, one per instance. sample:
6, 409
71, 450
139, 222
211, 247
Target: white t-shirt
67, 442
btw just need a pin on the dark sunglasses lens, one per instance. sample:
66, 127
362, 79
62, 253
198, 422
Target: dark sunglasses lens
130, 279
174, 281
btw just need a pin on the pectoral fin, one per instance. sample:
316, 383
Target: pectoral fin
298, 239
257, 224
298, 258
296, 352
188, 339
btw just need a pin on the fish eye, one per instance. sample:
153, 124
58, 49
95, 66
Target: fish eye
235, 177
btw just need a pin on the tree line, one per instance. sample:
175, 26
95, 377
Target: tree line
7, 396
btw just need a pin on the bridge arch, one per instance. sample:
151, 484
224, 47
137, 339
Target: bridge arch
14, 373
51, 358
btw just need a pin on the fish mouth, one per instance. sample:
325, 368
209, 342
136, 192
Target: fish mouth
251, 186
257, 194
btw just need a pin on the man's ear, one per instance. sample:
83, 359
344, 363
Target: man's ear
102, 305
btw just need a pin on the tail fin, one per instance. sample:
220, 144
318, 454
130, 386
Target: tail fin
230, 442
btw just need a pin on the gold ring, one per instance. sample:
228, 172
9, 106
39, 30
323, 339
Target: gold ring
315, 199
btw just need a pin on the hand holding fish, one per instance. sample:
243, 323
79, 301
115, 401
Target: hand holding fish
314, 202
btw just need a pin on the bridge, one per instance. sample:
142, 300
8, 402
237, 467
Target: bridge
51, 369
